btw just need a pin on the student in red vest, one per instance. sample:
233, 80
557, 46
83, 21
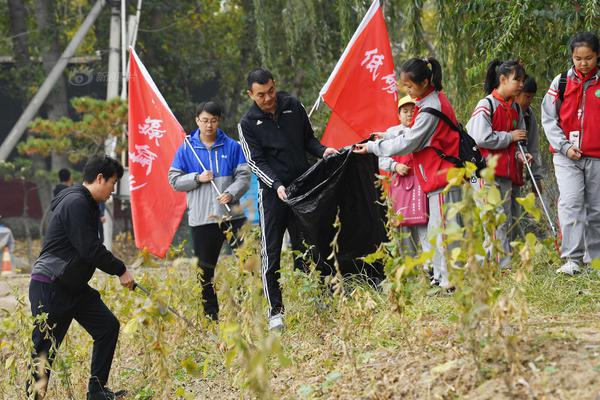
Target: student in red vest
403, 166
571, 121
524, 100
423, 81
497, 125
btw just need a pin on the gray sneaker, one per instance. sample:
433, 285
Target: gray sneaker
276, 322
570, 268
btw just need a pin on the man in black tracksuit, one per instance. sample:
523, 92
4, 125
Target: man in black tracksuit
71, 253
275, 134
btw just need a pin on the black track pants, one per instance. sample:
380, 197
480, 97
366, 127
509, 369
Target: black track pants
85, 307
275, 218
208, 240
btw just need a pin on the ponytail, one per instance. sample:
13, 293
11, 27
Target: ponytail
418, 70
496, 68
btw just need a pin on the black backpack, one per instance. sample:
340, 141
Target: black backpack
467, 148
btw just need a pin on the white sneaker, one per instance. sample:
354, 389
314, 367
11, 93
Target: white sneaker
569, 268
276, 322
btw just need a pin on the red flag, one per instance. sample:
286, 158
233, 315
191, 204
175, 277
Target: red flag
154, 136
361, 91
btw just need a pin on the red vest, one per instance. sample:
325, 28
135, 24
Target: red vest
586, 121
506, 118
431, 169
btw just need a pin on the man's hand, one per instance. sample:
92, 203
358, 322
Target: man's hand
225, 198
204, 177
518, 134
103, 219
401, 169
574, 153
127, 280
360, 148
329, 151
281, 193
377, 135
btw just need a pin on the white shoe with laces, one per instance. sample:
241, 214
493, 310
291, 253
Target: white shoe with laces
569, 268
276, 322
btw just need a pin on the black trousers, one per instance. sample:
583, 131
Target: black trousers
208, 240
62, 307
275, 218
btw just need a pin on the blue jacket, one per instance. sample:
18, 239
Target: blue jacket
230, 171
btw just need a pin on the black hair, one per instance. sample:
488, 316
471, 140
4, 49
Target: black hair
258, 75
64, 175
588, 39
417, 70
529, 85
210, 107
102, 164
496, 68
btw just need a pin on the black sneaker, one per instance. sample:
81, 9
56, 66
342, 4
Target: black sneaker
106, 394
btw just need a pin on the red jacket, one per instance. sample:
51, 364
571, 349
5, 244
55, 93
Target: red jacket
493, 134
431, 169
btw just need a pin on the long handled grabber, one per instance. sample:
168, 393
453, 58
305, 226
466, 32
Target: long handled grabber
539, 193
214, 185
171, 309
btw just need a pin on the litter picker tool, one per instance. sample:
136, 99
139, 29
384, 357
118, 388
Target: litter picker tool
171, 309
539, 193
214, 185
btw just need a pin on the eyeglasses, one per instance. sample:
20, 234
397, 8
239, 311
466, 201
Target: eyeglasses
206, 121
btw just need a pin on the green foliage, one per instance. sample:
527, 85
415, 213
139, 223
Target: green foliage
80, 138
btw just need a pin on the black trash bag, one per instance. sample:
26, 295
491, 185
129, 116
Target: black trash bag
344, 183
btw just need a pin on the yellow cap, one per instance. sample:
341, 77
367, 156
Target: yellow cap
405, 100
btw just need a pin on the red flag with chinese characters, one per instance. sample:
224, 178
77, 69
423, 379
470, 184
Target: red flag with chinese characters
154, 136
361, 91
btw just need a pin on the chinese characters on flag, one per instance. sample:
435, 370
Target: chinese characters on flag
361, 91
154, 136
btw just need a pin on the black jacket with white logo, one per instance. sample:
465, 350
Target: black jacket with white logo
72, 248
275, 145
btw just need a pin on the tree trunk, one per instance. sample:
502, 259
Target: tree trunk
18, 30
57, 102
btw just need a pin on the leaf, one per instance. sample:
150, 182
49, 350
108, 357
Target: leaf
192, 368
131, 327
528, 204
445, 367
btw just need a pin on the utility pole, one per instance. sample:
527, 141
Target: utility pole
112, 91
34, 105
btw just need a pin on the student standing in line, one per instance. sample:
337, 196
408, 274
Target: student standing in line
427, 135
497, 125
571, 121
524, 100
225, 166
404, 166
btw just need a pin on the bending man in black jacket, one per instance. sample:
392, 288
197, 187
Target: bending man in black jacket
71, 253
275, 134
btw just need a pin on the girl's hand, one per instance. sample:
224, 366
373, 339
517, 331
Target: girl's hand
518, 134
401, 169
360, 148
527, 160
378, 135
574, 153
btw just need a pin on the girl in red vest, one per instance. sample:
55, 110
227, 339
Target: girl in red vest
497, 125
415, 233
571, 121
423, 81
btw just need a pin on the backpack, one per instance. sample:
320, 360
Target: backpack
467, 148
562, 85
